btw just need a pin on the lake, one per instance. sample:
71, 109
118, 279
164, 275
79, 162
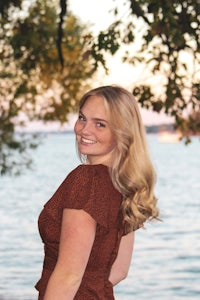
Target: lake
166, 258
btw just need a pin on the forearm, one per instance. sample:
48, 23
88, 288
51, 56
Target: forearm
77, 237
116, 275
120, 267
62, 286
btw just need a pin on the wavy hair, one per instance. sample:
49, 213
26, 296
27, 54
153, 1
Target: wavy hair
131, 170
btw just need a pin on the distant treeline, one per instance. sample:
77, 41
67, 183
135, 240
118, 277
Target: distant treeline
149, 129
160, 128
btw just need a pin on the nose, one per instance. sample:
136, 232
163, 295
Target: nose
86, 128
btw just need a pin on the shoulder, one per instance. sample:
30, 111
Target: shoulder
85, 176
89, 187
88, 171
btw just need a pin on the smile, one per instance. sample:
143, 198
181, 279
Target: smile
83, 140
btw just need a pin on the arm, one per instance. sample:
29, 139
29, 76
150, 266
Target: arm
121, 265
77, 237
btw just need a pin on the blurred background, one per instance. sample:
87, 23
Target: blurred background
50, 54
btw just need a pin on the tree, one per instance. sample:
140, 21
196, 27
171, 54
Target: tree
169, 49
33, 83
44, 49
190, 125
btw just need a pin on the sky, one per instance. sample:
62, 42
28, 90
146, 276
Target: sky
96, 13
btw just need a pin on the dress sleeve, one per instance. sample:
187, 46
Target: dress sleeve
85, 189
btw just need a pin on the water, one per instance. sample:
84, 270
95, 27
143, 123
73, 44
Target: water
166, 257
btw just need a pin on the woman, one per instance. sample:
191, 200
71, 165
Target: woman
87, 226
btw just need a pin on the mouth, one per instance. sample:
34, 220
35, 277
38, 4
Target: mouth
87, 141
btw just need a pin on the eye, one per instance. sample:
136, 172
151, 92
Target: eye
100, 124
81, 118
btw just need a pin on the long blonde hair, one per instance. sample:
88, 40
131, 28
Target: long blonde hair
131, 171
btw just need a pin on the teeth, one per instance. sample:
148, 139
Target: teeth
87, 141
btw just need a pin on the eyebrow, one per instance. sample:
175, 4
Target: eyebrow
95, 119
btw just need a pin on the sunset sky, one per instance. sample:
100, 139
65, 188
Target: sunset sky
97, 14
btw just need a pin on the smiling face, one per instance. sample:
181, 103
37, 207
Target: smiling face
93, 133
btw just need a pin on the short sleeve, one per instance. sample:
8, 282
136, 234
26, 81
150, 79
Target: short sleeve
85, 188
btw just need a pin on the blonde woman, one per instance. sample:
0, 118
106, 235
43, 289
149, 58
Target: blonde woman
88, 225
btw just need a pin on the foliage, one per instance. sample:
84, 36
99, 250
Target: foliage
169, 50
190, 125
47, 58
6, 4
33, 83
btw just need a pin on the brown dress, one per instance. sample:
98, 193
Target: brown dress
88, 187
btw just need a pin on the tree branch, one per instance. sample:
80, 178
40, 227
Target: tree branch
63, 6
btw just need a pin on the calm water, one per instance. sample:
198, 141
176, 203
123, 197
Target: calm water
166, 258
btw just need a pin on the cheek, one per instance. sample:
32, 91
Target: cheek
111, 141
76, 127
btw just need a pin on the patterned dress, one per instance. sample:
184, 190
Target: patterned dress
88, 187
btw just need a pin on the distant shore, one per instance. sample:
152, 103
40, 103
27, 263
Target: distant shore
150, 129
